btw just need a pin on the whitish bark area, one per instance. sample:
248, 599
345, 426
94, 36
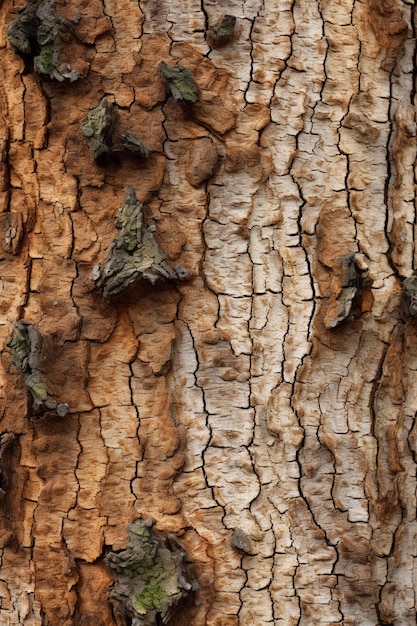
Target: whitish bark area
229, 407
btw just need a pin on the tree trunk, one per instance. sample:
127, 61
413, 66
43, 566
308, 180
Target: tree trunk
252, 388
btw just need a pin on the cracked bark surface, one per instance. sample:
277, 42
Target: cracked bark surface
280, 451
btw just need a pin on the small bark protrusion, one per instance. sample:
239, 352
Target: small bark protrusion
35, 33
99, 127
410, 291
134, 255
347, 289
241, 541
222, 33
26, 347
181, 82
152, 576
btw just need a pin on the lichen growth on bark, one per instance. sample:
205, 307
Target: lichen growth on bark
99, 127
26, 348
223, 32
47, 60
134, 255
35, 32
152, 576
181, 82
130, 142
23, 30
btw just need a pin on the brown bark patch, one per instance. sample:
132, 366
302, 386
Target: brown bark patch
386, 21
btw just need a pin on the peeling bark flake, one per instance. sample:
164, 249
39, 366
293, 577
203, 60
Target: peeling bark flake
262, 410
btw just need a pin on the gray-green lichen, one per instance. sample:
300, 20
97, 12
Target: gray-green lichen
47, 60
35, 32
26, 348
99, 127
223, 32
134, 255
181, 82
23, 30
410, 290
151, 576
11, 231
130, 142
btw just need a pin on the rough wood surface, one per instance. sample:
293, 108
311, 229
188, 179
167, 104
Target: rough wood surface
248, 409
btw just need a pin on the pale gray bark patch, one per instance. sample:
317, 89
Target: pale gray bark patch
225, 403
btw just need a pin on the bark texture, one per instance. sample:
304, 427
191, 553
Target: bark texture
263, 409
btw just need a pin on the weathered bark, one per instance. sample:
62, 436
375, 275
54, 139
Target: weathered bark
260, 402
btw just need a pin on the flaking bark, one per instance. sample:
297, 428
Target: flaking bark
134, 254
263, 410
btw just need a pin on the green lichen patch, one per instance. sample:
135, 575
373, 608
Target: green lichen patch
47, 60
26, 345
19, 345
37, 385
98, 121
51, 23
36, 32
181, 82
223, 32
129, 142
134, 255
99, 127
151, 576
23, 30
152, 598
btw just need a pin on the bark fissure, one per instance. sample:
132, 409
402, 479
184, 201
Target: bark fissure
279, 446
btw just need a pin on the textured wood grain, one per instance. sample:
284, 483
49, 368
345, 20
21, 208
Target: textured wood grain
228, 405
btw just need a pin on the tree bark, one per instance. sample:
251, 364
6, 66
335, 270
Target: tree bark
259, 403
